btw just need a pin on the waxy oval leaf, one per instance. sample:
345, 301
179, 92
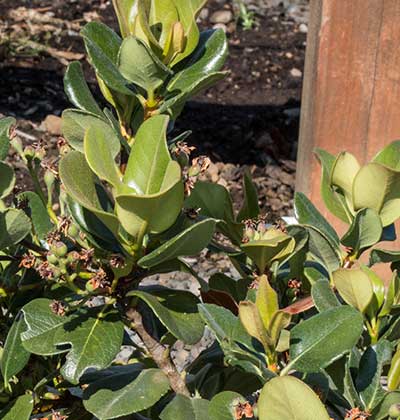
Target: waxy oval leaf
354, 286
20, 409
14, 226
14, 357
323, 338
288, 398
125, 392
184, 408
189, 242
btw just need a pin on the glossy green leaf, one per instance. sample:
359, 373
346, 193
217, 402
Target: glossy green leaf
7, 179
274, 247
237, 288
14, 357
378, 187
154, 192
343, 173
189, 242
5, 126
208, 58
364, 232
250, 318
250, 208
125, 11
332, 199
378, 287
99, 156
323, 338
266, 301
323, 296
223, 406
78, 91
183, 408
139, 65
393, 379
84, 187
14, 226
103, 45
75, 123
92, 339
150, 167
177, 311
288, 398
381, 411
368, 382
38, 213
308, 214
354, 286
188, 11
379, 256
20, 409
125, 392
155, 213
389, 156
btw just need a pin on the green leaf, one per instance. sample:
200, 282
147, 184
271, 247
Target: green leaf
323, 296
38, 213
354, 286
20, 409
250, 208
368, 382
188, 11
99, 156
389, 156
75, 123
288, 398
189, 242
163, 15
177, 311
393, 379
381, 411
14, 226
150, 167
308, 214
154, 191
84, 187
274, 247
331, 198
95, 340
103, 45
139, 65
5, 126
208, 58
222, 406
184, 408
250, 318
237, 288
91, 338
14, 357
364, 232
378, 187
318, 341
319, 247
266, 301
125, 11
379, 256
7, 179
344, 172
125, 392
78, 91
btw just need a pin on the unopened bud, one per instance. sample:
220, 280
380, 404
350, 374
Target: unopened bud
59, 249
178, 38
394, 411
29, 152
49, 179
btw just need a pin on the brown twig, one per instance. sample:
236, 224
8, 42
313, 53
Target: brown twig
159, 353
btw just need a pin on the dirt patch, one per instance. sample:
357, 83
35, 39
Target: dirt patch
249, 119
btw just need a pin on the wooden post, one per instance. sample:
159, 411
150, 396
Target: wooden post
351, 93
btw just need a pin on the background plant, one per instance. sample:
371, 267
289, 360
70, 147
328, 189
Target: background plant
305, 331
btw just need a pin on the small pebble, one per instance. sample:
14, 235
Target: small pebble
296, 73
221, 16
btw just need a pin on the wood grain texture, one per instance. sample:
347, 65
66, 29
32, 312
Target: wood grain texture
351, 91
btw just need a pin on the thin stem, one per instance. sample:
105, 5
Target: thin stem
159, 353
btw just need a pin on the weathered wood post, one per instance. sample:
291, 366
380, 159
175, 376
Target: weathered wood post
351, 93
